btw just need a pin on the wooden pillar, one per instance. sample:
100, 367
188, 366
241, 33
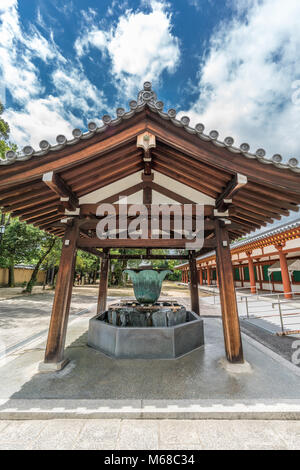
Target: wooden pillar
259, 276
242, 275
230, 318
284, 273
62, 299
200, 277
217, 276
194, 283
104, 268
208, 276
251, 273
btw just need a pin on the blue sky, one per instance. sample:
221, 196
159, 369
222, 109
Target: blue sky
231, 64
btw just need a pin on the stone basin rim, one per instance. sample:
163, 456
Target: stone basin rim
96, 317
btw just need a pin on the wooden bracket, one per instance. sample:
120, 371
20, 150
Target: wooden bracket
57, 185
234, 185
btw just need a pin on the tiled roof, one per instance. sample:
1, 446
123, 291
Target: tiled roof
147, 97
253, 238
267, 233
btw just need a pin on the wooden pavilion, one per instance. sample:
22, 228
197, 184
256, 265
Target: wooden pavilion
146, 153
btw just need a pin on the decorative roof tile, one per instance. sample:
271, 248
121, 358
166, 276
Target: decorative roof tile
147, 97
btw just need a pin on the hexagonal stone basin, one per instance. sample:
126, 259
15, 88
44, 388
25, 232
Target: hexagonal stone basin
130, 330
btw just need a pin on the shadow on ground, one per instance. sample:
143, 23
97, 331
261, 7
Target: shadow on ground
92, 375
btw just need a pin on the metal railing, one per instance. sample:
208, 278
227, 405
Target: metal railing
272, 306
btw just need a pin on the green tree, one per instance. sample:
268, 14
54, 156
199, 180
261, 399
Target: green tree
24, 243
46, 243
4, 135
87, 263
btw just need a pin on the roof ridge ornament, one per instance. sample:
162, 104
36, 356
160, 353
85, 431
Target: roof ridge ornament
147, 95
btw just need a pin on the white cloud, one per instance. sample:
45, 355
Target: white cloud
18, 72
141, 46
246, 79
76, 91
40, 117
96, 38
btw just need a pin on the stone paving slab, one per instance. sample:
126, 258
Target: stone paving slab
149, 409
149, 435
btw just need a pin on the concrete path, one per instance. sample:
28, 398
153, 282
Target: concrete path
198, 376
195, 385
149, 435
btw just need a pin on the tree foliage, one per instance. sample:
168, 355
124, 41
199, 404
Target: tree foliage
22, 243
4, 135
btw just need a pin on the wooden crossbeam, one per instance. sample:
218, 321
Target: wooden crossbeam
91, 223
59, 187
225, 198
149, 257
139, 243
91, 209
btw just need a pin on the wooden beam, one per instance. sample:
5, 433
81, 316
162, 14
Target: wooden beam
193, 182
258, 206
181, 169
91, 209
59, 187
30, 203
140, 243
147, 188
90, 222
108, 171
36, 213
102, 182
231, 325
149, 257
194, 283
237, 182
207, 171
99, 163
104, 269
62, 298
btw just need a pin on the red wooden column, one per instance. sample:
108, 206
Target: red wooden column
284, 273
259, 275
242, 275
194, 283
230, 318
217, 276
182, 275
208, 276
200, 276
251, 272
54, 356
102, 297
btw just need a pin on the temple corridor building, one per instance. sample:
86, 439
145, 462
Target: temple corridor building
269, 261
